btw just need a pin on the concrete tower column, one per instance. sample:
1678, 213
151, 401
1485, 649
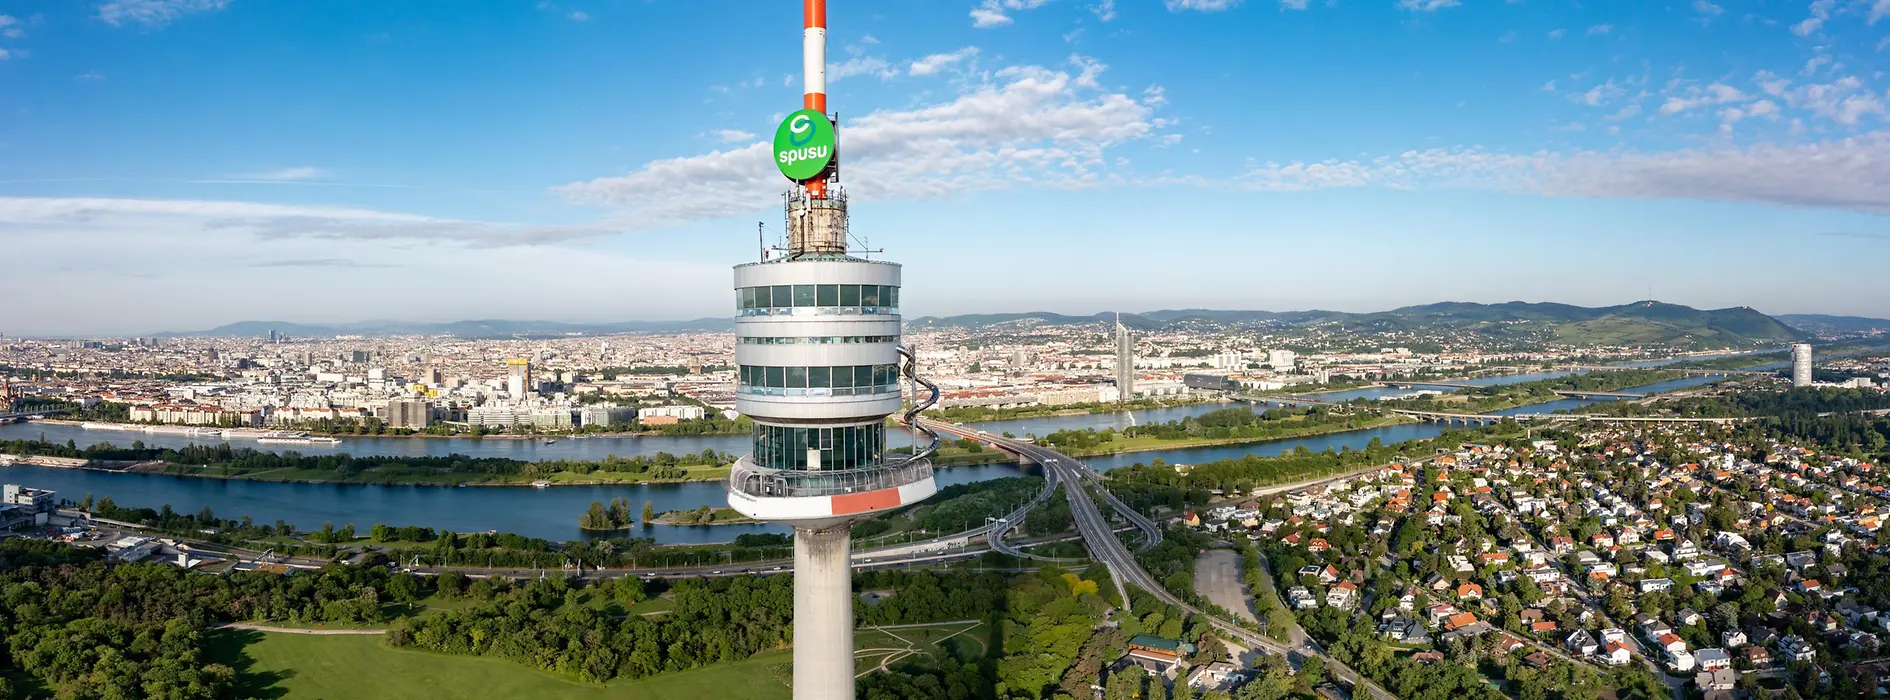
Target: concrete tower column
823, 613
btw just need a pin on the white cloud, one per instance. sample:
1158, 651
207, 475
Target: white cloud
734, 135
1707, 9
1105, 10
1600, 29
1022, 126
164, 250
985, 18
939, 61
154, 13
1820, 11
1426, 5
1294, 4
1695, 96
1201, 5
1879, 9
1852, 173
4, 55
862, 65
1557, 34
1599, 94
9, 27
90, 76
995, 13
286, 174
579, 16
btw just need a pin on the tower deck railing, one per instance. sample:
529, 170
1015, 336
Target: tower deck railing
762, 482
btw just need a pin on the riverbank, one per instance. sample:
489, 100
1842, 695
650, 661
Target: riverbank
253, 433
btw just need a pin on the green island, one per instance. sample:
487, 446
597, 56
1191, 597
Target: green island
1499, 397
1227, 426
704, 515
224, 461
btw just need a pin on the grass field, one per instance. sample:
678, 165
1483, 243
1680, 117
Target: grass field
361, 668
276, 665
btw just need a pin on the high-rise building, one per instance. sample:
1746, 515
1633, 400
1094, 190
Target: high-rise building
1125, 362
1281, 359
409, 413
518, 377
1801, 365
274, 337
820, 404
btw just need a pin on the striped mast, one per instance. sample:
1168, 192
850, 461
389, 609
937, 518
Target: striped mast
814, 73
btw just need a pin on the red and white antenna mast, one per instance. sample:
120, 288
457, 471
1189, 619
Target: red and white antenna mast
814, 72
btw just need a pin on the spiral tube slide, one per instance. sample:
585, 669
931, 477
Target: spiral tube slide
912, 414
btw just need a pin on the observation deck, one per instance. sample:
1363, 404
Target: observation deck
820, 498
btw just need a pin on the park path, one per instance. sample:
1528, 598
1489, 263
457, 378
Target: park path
296, 630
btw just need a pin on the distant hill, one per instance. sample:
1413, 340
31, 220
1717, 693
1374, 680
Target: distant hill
1640, 323
463, 329
1834, 325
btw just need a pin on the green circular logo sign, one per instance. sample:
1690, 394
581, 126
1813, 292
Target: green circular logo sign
803, 145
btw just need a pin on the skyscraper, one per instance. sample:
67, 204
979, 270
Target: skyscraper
518, 377
1125, 362
1801, 365
818, 358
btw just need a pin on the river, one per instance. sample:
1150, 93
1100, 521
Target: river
552, 513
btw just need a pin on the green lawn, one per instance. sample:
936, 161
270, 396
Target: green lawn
277, 665
361, 668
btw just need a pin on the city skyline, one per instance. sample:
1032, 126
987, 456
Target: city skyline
522, 161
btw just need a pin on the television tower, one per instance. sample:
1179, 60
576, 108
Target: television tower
819, 353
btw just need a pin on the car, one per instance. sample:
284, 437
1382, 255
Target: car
775, 569
717, 571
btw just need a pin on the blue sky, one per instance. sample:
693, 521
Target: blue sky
178, 164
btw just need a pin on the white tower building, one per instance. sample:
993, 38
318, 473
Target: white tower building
818, 355
1801, 365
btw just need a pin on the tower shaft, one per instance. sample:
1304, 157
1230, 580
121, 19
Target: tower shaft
823, 613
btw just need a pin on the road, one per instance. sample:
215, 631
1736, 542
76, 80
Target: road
1083, 488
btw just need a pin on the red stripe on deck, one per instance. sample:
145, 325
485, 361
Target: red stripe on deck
862, 502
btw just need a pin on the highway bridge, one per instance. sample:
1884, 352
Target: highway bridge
1598, 394
1696, 371
1295, 401
1414, 384
1492, 419
11, 415
1083, 488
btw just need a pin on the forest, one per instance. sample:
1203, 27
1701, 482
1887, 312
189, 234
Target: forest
79, 628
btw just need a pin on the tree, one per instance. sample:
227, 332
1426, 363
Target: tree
381, 533
628, 591
1183, 691
649, 512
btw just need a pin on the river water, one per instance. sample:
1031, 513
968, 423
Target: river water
552, 513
